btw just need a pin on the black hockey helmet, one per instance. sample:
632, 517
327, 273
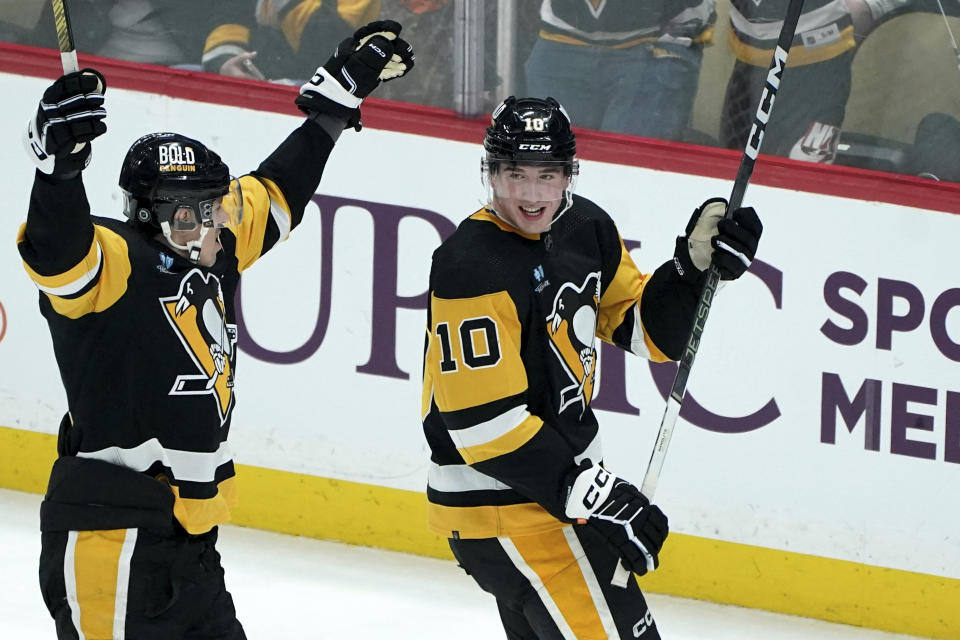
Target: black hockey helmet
165, 172
530, 130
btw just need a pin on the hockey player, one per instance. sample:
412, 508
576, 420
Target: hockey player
517, 295
142, 319
644, 56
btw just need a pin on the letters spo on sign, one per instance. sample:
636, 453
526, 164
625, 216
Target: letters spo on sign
3, 322
842, 292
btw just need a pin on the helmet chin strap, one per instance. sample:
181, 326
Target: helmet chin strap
192, 247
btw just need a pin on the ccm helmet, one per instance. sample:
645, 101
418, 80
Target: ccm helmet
164, 173
532, 131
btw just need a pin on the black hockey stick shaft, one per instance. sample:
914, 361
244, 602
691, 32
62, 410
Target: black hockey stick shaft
709, 290
68, 48
707, 293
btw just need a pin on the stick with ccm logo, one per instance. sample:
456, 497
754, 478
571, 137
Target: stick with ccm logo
778, 63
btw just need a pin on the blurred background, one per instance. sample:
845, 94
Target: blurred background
873, 83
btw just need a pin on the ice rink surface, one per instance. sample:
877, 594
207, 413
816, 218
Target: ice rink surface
287, 587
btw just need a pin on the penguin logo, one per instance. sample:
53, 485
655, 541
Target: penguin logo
571, 326
196, 314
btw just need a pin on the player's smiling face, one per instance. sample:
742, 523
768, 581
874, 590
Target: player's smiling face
527, 196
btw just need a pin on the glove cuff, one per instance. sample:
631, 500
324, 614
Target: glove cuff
589, 490
314, 104
683, 264
328, 86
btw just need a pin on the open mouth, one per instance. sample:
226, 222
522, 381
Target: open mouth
532, 212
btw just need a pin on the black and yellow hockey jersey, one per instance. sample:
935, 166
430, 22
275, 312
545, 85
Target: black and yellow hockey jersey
289, 35
622, 24
510, 361
824, 31
146, 341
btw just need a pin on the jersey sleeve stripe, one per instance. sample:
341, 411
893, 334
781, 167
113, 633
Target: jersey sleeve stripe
461, 477
266, 215
640, 342
279, 210
72, 280
490, 429
189, 466
593, 452
106, 286
226, 35
508, 442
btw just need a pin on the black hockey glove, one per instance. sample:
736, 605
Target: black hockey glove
373, 54
617, 510
731, 243
70, 115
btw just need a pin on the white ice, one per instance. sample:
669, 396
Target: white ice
287, 587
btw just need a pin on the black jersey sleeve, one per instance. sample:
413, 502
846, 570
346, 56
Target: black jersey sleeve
81, 267
276, 194
667, 309
475, 379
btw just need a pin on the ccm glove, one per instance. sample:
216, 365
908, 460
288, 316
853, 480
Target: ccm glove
70, 115
731, 243
374, 54
617, 510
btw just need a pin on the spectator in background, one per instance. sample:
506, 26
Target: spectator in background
812, 99
429, 23
279, 35
18, 20
167, 32
628, 66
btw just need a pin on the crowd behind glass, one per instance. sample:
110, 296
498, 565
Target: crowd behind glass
872, 83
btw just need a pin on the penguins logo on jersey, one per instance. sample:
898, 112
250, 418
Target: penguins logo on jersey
196, 314
571, 327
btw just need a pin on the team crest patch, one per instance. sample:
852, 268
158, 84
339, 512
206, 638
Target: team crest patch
571, 327
196, 314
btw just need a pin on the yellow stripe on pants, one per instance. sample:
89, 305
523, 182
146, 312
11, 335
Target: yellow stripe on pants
550, 557
95, 563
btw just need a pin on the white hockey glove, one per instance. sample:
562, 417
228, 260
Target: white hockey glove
374, 54
617, 510
731, 243
70, 115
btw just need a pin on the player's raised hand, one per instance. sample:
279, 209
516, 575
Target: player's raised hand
617, 510
373, 54
70, 115
731, 243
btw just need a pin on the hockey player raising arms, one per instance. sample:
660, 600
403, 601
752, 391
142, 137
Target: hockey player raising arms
142, 318
517, 295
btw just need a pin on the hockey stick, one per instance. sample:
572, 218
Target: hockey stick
68, 49
953, 40
747, 162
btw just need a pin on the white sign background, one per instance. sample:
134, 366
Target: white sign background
777, 487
